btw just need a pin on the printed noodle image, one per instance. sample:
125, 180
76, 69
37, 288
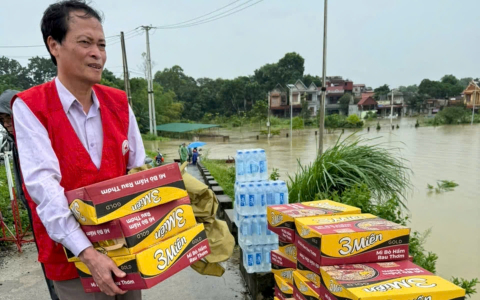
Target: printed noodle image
356, 272
377, 225
307, 213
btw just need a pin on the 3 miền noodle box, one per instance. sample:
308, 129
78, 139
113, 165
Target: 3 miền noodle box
401, 280
281, 218
139, 231
288, 249
155, 264
283, 289
282, 266
118, 197
308, 268
347, 239
304, 289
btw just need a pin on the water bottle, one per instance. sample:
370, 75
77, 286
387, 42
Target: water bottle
262, 223
260, 200
283, 191
255, 230
251, 199
246, 160
249, 259
267, 266
246, 237
259, 258
253, 166
243, 200
267, 189
272, 237
262, 163
240, 166
275, 192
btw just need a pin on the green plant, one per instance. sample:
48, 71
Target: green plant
421, 257
468, 286
297, 123
223, 173
348, 163
354, 121
275, 175
152, 137
272, 132
443, 186
378, 126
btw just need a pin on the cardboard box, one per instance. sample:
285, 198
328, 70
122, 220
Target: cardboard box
139, 231
402, 280
349, 239
304, 289
288, 249
118, 197
282, 266
308, 268
281, 218
154, 264
283, 289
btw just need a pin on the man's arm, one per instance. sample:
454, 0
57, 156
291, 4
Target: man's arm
41, 175
137, 154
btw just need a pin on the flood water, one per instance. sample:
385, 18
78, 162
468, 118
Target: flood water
441, 153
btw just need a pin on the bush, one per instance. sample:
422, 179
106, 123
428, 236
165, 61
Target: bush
223, 173
451, 115
297, 123
353, 121
334, 121
310, 122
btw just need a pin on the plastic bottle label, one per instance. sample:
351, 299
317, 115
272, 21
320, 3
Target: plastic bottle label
259, 258
245, 230
262, 167
250, 260
243, 201
262, 200
251, 200
240, 169
253, 168
259, 230
281, 198
267, 257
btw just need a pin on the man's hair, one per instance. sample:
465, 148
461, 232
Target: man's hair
56, 17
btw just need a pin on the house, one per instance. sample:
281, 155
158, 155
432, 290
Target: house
358, 89
472, 95
336, 87
366, 104
385, 104
433, 106
279, 96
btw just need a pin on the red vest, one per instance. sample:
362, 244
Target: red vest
76, 166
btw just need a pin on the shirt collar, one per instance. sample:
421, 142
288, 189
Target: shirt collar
67, 99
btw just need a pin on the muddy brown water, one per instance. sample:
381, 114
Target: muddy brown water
433, 153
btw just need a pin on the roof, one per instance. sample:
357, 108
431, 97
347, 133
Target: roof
183, 127
360, 84
367, 101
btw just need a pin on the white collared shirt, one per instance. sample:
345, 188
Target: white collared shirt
40, 166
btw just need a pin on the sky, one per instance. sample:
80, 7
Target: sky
375, 42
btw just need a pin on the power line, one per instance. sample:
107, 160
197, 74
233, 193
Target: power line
202, 15
217, 17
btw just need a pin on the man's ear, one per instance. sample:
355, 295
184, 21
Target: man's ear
53, 45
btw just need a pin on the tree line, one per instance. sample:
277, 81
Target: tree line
179, 97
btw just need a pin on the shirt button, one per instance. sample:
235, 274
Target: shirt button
92, 145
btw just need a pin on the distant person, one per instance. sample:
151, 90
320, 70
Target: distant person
190, 153
183, 153
194, 157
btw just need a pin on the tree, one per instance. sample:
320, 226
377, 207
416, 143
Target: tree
288, 69
305, 112
380, 91
41, 70
309, 79
109, 79
13, 75
345, 102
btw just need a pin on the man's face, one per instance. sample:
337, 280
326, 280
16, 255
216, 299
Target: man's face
6, 121
81, 56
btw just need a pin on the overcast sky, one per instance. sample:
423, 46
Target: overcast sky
398, 42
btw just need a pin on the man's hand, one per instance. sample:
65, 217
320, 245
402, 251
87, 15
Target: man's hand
101, 267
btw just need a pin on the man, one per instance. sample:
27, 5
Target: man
72, 132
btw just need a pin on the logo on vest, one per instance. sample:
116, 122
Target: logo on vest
125, 147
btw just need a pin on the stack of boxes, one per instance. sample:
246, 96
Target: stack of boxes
281, 220
343, 254
144, 222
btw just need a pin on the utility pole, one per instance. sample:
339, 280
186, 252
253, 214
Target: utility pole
324, 89
151, 100
391, 111
474, 98
126, 76
268, 122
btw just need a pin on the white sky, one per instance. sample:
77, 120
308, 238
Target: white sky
398, 42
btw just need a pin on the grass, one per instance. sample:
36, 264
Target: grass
223, 173
442, 186
353, 162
